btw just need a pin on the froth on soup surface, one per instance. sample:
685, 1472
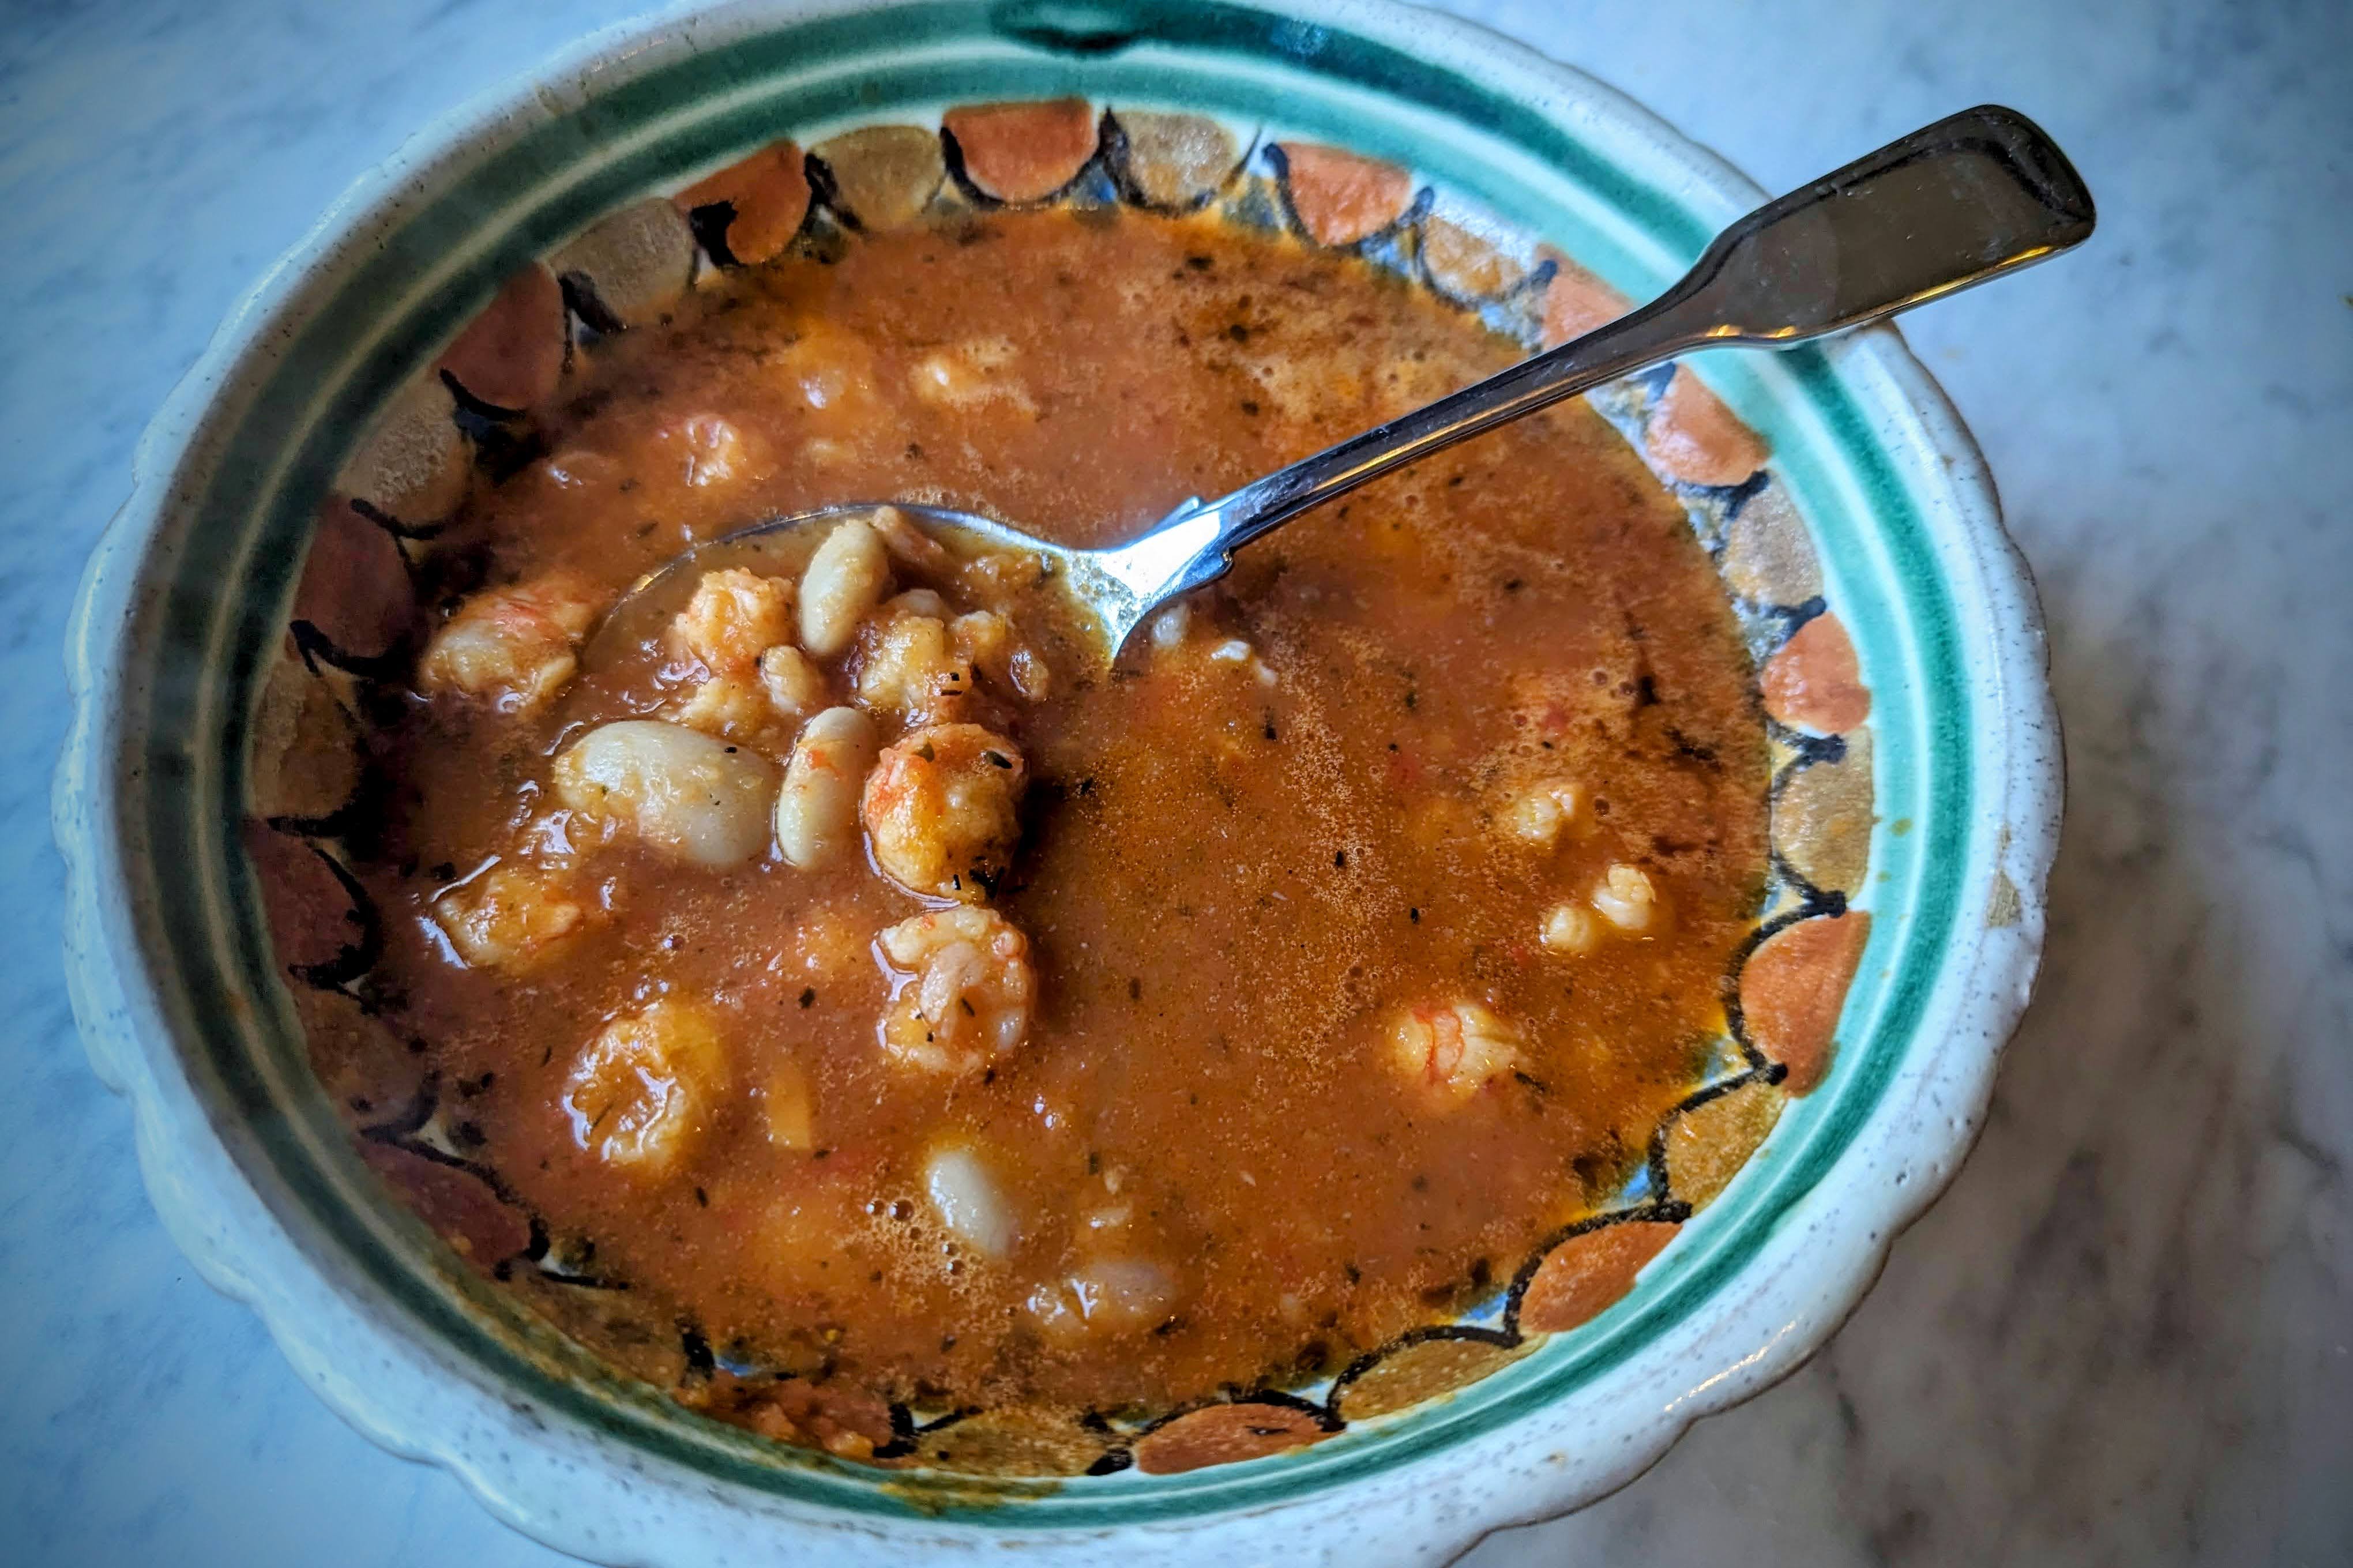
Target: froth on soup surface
881, 988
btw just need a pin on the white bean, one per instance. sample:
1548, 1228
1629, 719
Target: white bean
1104, 1296
785, 1099
680, 790
968, 1201
845, 579
817, 811
1121, 1295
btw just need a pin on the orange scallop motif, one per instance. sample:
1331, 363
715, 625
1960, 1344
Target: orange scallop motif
311, 917
1793, 988
455, 1202
1224, 1435
769, 191
1588, 1272
1339, 197
354, 589
511, 355
1023, 152
1696, 438
1576, 302
1814, 682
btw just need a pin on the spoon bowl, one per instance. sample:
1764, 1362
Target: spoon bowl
780, 545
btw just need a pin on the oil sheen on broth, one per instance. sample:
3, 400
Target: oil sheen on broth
1200, 1022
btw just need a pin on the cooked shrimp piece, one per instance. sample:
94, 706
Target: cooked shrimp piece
734, 710
939, 809
909, 670
962, 989
1030, 673
796, 687
1451, 1053
516, 645
1539, 813
916, 602
513, 917
985, 640
735, 617
817, 811
1236, 652
1571, 929
1169, 627
713, 452
978, 370
678, 789
910, 544
1627, 899
828, 372
649, 1086
827, 943
844, 580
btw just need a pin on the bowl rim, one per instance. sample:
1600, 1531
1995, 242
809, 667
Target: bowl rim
319, 1314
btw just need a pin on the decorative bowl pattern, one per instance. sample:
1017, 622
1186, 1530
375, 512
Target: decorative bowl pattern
356, 618
212, 722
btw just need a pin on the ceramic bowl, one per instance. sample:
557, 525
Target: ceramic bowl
230, 607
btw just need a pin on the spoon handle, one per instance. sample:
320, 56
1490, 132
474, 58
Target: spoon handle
1971, 197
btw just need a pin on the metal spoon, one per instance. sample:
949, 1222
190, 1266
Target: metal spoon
1970, 198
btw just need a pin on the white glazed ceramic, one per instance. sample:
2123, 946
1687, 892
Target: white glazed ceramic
171, 978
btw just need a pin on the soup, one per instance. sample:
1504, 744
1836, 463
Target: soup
889, 994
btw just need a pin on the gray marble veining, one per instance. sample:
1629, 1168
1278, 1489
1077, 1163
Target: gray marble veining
2125, 1334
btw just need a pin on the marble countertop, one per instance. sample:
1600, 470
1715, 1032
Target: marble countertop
2125, 1335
